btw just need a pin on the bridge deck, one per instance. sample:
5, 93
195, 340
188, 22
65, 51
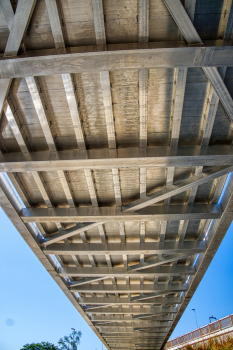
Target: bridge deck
116, 159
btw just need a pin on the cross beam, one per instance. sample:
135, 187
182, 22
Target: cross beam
106, 158
125, 272
127, 301
124, 248
131, 288
126, 318
109, 214
88, 59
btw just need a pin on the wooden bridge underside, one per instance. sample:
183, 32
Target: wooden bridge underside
116, 152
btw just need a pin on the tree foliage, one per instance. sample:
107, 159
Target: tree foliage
212, 344
70, 342
40, 346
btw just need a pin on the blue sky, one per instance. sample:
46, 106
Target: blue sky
34, 309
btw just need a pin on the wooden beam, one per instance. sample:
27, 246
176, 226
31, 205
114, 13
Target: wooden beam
128, 328
19, 26
98, 16
143, 21
109, 214
4, 89
127, 301
111, 310
126, 157
124, 271
107, 101
35, 95
15, 129
220, 88
125, 248
50, 62
55, 23
145, 334
143, 105
131, 288
8, 13
74, 112
183, 21
126, 318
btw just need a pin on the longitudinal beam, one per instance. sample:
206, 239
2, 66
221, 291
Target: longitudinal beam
124, 272
129, 288
177, 188
78, 60
107, 159
108, 214
124, 248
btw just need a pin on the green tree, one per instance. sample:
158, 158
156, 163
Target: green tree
40, 346
70, 342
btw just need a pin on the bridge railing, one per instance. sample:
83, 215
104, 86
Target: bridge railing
213, 327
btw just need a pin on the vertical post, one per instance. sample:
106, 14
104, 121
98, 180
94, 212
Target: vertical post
231, 319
